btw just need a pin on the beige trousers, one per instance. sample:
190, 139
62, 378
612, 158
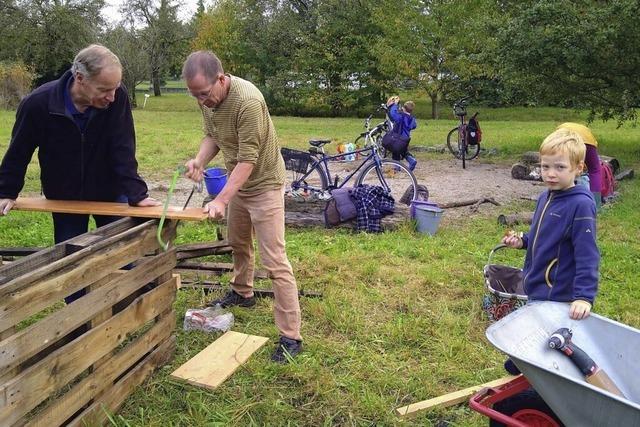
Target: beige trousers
264, 214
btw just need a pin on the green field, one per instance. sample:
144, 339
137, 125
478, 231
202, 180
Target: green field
400, 320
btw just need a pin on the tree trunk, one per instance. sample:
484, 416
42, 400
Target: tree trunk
155, 81
434, 105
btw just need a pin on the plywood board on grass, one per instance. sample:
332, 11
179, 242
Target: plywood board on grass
219, 360
39, 204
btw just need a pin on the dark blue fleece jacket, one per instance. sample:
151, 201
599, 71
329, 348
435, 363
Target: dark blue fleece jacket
403, 123
562, 256
97, 163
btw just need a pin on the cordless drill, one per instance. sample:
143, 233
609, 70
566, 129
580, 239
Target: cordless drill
561, 341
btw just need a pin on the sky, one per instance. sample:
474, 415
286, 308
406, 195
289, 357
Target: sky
185, 12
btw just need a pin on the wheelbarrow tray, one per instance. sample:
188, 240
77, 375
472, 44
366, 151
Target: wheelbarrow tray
614, 346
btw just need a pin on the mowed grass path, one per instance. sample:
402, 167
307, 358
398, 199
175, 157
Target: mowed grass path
400, 319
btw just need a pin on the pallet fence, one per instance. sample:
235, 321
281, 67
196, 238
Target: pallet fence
74, 364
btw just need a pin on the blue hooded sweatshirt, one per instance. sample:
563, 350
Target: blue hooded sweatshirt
562, 256
403, 123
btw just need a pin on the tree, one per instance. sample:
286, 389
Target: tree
435, 43
127, 43
575, 53
46, 34
163, 34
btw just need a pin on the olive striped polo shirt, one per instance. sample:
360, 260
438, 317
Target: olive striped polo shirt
244, 132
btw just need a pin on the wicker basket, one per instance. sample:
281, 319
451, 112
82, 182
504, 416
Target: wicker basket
296, 160
505, 289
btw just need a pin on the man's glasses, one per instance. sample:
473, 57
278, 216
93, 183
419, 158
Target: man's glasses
202, 96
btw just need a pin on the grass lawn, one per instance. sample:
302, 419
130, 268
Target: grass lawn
400, 320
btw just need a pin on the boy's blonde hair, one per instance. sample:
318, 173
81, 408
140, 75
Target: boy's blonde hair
565, 141
409, 106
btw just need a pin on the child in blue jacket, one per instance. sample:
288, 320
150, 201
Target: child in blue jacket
403, 123
562, 257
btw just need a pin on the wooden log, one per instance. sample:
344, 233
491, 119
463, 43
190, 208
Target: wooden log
625, 174
449, 399
32, 386
107, 208
472, 202
514, 219
28, 294
113, 398
24, 344
520, 171
62, 408
259, 293
530, 158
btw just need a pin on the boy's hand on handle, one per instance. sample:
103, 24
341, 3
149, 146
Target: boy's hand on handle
215, 209
195, 171
6, 205
579, 310
512, 239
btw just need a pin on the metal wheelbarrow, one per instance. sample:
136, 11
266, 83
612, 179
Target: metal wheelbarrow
524, 334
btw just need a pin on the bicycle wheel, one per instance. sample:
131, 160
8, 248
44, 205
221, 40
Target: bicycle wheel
394, 176
313, 186
453, 142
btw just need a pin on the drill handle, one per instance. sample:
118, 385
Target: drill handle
585, 364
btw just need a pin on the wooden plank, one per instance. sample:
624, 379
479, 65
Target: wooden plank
32, 386
19, 251
449, 399
29, 341
21, 298
113, 398
219, 360
214, 268
37, 204
103, 377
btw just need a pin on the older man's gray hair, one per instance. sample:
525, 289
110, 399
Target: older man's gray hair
93, 59
202, 62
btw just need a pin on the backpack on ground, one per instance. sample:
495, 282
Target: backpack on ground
474, 133
608, 180
340, 208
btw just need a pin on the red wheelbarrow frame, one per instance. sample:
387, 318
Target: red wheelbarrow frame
485, 398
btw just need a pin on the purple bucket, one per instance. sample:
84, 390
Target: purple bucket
215, 180
421, 203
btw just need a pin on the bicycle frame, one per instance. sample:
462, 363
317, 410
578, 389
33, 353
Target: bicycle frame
322, 165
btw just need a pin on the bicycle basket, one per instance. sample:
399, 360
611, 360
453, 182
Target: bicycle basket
296, 160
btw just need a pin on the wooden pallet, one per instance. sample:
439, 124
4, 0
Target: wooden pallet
74, 363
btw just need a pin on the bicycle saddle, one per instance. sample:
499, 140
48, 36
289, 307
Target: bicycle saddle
319, 142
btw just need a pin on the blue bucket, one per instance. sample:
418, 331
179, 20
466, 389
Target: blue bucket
428, 218
215, 180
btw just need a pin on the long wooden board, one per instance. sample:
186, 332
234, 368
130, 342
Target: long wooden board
38, 204
449, 399
219, 360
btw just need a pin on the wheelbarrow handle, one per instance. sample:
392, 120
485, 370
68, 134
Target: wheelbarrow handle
484, 399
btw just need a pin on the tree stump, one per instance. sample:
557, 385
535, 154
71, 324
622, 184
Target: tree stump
520, 171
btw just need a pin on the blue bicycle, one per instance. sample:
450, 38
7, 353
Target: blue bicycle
313, 174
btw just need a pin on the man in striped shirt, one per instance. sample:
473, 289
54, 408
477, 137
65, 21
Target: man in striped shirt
237, 123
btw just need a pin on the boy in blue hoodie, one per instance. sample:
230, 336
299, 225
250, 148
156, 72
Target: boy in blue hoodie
562, 256
403, 123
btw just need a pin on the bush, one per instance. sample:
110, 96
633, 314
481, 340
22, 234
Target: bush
15, 83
